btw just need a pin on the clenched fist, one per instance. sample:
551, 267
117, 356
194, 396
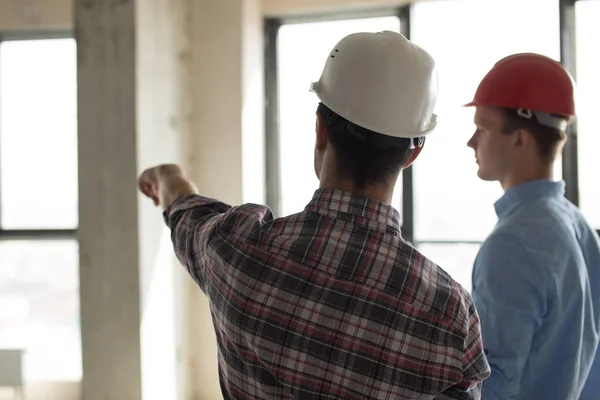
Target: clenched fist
164, 184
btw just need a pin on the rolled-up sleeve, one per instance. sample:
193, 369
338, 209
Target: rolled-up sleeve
509, 291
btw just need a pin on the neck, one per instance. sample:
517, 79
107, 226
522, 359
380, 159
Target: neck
379, 192
524, 175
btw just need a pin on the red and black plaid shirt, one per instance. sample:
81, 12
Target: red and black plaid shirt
330, 303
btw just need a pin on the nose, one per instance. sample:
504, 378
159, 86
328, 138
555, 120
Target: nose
472, 142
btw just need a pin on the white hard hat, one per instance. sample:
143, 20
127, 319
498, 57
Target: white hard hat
381, 82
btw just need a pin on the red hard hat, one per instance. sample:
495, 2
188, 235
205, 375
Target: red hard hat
530, 82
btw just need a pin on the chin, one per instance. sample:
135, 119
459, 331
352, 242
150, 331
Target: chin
484, 176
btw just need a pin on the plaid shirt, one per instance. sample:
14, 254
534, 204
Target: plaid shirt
330, 303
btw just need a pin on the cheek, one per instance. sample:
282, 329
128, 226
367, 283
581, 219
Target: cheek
485, 151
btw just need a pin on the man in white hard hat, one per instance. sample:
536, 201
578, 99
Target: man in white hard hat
332, 303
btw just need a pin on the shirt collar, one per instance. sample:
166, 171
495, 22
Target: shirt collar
337, 203
519, 194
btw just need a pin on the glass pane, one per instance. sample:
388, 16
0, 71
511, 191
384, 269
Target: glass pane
39, 307
451, 202
588, 85
302, 51
456, 259
38, 134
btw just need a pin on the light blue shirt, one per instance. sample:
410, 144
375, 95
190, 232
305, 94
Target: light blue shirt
536, 286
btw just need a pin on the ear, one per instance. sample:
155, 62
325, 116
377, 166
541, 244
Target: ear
321, 131
414, 155
522, 138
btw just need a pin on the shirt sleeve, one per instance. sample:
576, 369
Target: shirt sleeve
475, 364
193, 220
510, 296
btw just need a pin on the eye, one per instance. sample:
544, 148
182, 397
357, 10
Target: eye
479, 130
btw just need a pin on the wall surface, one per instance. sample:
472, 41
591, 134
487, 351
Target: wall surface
228, 138
162, 136
108, 202
133, 85
26, 15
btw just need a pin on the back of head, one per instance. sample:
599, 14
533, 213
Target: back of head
377, 93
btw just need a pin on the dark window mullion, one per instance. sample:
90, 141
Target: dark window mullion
568, 55
272, 164
37, 234
408, 211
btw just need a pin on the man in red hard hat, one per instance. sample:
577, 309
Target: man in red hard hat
332, 303
536, 279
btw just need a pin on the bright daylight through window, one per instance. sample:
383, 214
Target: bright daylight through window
302, 50
39, 285
451, 204
588, 87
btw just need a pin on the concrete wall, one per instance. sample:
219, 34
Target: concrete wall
163, 100
228, 139
109, 237
24, 15
134, 99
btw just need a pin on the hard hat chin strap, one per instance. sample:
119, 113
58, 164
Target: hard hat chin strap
544, 119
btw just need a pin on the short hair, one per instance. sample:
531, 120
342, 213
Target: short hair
547, 139
364, 156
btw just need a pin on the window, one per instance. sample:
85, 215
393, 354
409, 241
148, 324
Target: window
40, 307
449, 210
301, 53
588, 86
39, 285
466, 38
456, 258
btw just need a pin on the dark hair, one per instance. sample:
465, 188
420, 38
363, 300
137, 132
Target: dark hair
364, 156
547, 138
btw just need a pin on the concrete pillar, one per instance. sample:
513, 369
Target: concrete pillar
228, 124
108, 208
159, 81
133, 63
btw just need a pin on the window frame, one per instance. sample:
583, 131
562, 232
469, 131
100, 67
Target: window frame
35, 234
271, 28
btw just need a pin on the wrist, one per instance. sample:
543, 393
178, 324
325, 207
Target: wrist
172, 185
168, 171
